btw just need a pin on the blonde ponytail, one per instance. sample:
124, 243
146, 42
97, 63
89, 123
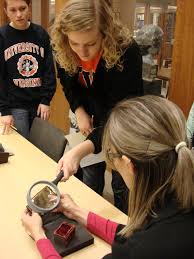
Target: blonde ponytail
184, 177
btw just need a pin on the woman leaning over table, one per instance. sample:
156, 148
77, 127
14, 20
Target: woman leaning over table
99, 65
145, 141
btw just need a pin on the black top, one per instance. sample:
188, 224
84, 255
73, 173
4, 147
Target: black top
108, 87
169, 236
27, 75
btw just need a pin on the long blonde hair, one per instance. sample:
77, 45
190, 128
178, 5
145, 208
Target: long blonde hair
147, 129
83, 15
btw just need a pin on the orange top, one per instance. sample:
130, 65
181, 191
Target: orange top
88, 69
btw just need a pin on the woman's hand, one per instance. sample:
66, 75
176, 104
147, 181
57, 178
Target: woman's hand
84, 121
70, 209
6, 122
67, 206
32, 223
69, 164
43, 111
70, 161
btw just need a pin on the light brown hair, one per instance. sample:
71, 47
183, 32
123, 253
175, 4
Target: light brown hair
28, 2
83, 15
147, 129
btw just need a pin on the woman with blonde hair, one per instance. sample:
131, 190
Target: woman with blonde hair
99, 65
145, 141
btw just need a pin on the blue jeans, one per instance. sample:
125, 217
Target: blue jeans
23, 120
93, 176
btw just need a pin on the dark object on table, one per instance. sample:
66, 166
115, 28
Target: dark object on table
3, 155
81, 238
1, 148
64, 233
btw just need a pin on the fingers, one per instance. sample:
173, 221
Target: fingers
45, 115
52, 198
62, 195
27, 213
5, 124
66, 172
69, 163
43, 111
66, 175
86, 132
60, 166
5, 129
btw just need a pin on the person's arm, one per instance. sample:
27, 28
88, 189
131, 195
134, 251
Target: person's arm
96, 138
46, 249
101, 227
72, 90
6, 119
130, 85
32, 223
98, 225
48, 77
4, 103
70, 161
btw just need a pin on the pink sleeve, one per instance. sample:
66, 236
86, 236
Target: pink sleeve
101, 227
47, 250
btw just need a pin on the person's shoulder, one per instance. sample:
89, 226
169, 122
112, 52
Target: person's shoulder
38, 28
165, 226
3, 29
132, 47
41, 33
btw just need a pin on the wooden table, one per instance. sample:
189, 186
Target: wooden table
24, 168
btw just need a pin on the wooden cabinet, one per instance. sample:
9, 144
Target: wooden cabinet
182, 77
59, 105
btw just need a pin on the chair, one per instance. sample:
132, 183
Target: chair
48, 138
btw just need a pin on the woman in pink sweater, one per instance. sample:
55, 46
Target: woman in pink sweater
145, 141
